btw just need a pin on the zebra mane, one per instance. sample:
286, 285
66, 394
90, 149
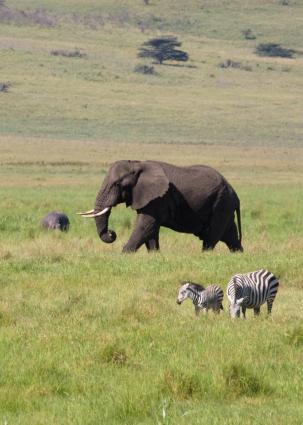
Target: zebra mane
194, 286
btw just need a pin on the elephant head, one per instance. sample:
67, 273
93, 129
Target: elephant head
133, 182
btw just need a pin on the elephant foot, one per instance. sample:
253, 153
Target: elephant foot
236, 249
207, 247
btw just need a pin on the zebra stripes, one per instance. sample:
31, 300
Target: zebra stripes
251, 290
203, 299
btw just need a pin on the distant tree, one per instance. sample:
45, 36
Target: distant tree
162, 49
274, 49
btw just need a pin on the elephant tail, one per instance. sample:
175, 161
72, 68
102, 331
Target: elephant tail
239, 222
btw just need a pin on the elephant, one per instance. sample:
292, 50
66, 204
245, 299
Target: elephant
192, 199
56, 220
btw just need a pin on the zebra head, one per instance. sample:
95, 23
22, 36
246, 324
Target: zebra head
183, 293
189, 290
235, 306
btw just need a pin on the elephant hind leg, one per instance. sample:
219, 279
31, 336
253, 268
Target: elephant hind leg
215, 231
231, 238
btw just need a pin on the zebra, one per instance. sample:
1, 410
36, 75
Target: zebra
251, 290
202, 298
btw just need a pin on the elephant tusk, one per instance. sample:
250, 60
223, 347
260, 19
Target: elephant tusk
86, 212
97, 214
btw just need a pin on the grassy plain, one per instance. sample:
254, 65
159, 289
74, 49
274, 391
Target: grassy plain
88, 335
92, 336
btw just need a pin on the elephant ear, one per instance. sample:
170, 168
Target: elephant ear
152, 183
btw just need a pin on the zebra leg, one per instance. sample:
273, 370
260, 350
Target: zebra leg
217, 308
257, 311
243, 312
197, 310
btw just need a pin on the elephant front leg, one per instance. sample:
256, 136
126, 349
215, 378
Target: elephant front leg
153, 243
146, 231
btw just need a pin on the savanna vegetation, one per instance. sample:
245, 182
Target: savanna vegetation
92, 336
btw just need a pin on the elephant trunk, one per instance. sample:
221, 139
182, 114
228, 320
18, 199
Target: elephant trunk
105, 199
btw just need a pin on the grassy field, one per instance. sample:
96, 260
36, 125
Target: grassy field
100, 97
91, 336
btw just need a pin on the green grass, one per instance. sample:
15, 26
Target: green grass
91, 336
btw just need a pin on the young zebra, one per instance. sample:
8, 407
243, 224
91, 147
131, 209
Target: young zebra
251, 290
203, 299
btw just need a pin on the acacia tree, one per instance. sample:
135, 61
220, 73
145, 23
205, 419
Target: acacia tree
162, 49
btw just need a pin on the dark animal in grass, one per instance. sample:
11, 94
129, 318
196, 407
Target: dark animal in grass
56, 220
195, 199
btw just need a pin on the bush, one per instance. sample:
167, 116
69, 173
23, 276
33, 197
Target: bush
69, 54
228, 63
145, 69
180, 385
274, 49
4, 87
114, 353
248, 34
242, 382
295, 336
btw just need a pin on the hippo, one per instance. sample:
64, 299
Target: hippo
56, 220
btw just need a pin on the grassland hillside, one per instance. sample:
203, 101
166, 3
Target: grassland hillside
91, 336
97, 94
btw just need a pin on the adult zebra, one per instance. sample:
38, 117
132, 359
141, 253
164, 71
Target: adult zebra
251, 290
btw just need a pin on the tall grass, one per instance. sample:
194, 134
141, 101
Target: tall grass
91, 335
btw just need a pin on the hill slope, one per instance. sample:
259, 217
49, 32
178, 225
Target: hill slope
99, 96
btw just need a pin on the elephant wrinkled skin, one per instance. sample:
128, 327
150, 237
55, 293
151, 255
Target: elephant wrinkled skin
195, 199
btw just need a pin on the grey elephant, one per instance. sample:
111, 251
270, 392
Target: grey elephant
195, 199
56, 220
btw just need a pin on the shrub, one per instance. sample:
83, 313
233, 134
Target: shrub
114, 353
26, 17
145, 69
180, 385
228, 63
4, 87
248, 34
274, 49
242, 382
69, 54
295, 336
